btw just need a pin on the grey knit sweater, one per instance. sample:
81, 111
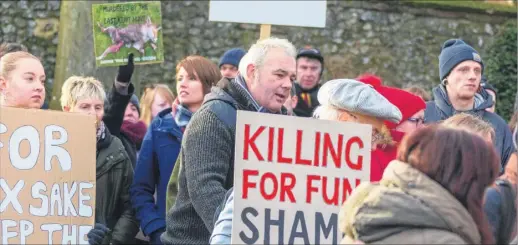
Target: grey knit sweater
206, 170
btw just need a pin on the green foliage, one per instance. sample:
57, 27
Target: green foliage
500, 68
467, 4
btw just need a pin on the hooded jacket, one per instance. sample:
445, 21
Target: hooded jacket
441, 109
406, 207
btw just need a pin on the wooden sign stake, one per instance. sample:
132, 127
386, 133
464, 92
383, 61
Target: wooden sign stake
265, 31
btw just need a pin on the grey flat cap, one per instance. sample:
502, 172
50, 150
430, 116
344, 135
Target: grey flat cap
354, 96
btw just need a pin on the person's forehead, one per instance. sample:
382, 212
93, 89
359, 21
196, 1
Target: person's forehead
308, 61
182, 70
278, 59
469, 63
90, 101
158, 98
421, 112
30, 65
228, 66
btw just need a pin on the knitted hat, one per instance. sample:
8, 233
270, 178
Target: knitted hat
134, 100
232, 57
312, 53
370, 79
354, 96
408, 103
453, 52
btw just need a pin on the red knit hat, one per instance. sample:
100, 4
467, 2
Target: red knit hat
371, 79
408, 103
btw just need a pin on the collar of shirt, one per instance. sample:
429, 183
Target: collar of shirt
241, 81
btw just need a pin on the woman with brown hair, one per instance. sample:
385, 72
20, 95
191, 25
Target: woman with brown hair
432, 193
195, 76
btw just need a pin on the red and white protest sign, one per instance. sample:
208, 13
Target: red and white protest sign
292, 175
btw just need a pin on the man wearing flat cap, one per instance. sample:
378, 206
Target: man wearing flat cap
353, 101
460, 71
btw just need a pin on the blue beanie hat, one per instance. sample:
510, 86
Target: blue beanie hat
134, 100
455, 51
232, 57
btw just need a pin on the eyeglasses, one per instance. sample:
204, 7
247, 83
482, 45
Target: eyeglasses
416, 120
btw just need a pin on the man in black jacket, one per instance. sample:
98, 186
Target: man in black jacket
310, 65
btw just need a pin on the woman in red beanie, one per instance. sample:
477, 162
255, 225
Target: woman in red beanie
411, 107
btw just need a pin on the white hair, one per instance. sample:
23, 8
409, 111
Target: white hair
327, 112
259, 50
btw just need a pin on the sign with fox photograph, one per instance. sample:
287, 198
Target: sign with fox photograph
123, 28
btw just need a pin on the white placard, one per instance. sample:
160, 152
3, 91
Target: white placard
292, 175
286, 13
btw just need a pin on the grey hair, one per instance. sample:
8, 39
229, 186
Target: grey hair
327, 112
259, 50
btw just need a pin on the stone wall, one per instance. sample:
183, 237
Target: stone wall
35, 24
400, 42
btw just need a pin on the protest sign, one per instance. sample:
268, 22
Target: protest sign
47, 177
292, 176
123, 28
286, 13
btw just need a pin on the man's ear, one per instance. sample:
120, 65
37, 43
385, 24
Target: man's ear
66, 108
3, 83
250, 72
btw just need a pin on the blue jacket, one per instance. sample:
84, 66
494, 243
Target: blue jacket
441, 109
155, 164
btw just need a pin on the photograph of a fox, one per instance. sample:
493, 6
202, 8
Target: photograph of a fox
134, 28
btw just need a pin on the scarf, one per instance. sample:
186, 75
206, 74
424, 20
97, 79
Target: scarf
305, 94
306, 97
134, 131
101, 132
181, 115
241, 81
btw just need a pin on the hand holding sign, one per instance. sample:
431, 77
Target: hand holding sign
97, 234
126, 71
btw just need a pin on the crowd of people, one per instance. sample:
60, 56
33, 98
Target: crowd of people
444, 166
